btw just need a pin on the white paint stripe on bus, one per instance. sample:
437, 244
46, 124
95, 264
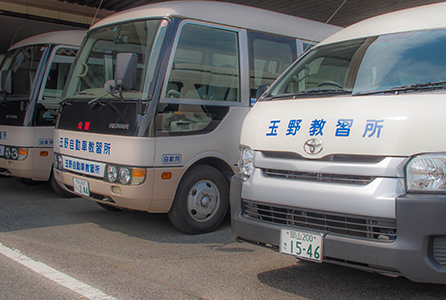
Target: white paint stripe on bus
63, 279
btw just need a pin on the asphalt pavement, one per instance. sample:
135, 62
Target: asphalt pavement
137, 255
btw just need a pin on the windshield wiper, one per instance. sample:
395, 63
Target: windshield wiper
411, 87
311, 92
64, 100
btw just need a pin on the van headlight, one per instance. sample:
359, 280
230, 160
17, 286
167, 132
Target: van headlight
426, 173
246, 162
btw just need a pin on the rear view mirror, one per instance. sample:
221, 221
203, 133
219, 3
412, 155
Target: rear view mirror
125, 71
6, 81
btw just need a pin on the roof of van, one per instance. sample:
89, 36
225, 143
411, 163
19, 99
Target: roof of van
228, 14
63, 37
430, 16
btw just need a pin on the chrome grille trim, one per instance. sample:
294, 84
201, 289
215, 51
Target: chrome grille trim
440, 250
370, 159
319, 177
376, 229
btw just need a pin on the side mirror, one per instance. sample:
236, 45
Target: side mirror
6, 80
261, 89
125, 71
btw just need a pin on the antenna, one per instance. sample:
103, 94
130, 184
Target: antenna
97, 11
15, 35
329, 19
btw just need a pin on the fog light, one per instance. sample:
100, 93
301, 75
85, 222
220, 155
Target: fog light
116, 190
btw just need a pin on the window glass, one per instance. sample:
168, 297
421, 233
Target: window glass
22, 63
48, 104
270, 55
205, 65
380, 64
96, 62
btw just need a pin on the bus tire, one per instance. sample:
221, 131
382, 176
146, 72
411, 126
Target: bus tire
201, 201
58, 189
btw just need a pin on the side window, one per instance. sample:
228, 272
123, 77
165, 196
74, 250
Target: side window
48, 105
205, 68
269, 56
205, 65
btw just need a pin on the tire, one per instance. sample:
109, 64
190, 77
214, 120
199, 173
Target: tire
58, 189
109, 207
201, 201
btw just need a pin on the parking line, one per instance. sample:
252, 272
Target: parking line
63, 279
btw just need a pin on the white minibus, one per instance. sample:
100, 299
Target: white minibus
33, 74
155, 101
342, 159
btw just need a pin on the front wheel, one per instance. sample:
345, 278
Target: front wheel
201, 201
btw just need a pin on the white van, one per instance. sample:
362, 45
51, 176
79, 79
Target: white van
342, 159
153, 108
33, 74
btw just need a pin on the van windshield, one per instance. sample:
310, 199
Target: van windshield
22, 64
95, 64
381, 64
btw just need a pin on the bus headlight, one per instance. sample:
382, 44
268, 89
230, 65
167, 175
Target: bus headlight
111, 173
124, 175
426, 173
8, 153
246, 162
58, 162
16, 153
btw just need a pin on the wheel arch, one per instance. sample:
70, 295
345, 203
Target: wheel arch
217, 163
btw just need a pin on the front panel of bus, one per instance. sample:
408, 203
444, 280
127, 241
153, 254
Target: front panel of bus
130, 147
33, 80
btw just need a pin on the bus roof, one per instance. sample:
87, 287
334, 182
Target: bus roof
417, 18
64, 37
228, 14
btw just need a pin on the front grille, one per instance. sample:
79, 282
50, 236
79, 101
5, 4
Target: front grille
377, 229
318, 177
440, 250
364, 159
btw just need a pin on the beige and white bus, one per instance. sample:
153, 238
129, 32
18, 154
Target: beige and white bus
33, 74
155, 101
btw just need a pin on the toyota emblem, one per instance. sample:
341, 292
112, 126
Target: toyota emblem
313, 146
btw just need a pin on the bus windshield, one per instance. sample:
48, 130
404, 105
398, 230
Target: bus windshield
22, 63
392, 63
95, 64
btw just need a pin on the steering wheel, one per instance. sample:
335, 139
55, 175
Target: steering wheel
333, 83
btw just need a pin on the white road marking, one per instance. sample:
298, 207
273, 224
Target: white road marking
63, 279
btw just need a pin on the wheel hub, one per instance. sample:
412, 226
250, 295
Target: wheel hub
203, 200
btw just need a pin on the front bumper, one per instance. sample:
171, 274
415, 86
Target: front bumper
420, 222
